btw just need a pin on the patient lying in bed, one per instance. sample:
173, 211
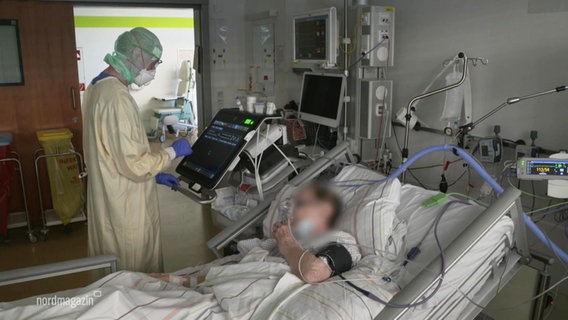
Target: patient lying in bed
303, 239
267, 280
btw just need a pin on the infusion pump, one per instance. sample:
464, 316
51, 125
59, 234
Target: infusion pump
542, 169
554, 170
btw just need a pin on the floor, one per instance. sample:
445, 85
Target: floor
186, 226
60, 246
507, 304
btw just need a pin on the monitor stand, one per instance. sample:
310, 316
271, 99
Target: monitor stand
196, 192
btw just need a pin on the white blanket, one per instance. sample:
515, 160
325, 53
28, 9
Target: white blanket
257, 287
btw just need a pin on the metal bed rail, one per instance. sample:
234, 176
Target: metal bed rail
57, 269
497, 275
501, 275
507, 204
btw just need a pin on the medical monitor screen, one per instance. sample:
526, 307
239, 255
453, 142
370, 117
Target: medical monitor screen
322, 98
217, 147
548, 168
310, 38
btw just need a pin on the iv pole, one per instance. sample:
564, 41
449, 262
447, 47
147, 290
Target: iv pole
465, 129
410, 108
346, 43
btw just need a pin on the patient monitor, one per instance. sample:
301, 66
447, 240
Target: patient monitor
316, 37
217, 149
322, 98
235, 137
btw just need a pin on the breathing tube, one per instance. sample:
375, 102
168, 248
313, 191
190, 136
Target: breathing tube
481, 171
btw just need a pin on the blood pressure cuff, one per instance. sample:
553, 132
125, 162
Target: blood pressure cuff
336, 257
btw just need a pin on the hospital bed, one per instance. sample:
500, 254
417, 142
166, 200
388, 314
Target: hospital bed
482, 249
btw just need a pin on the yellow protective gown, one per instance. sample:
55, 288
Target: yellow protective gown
122, 202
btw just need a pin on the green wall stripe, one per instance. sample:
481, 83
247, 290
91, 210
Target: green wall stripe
131, 22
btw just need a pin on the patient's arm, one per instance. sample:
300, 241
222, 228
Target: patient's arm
313, 268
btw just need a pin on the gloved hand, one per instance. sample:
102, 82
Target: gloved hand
182, 148
167, 180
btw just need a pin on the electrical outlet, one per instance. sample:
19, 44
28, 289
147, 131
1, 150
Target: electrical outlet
384, 18
378, 22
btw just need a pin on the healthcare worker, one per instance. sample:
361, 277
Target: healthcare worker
122, 202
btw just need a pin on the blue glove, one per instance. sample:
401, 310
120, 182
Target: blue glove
182, 148
167, 180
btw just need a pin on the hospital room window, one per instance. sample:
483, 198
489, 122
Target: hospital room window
96, 29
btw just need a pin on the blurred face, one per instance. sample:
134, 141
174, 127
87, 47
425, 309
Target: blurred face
308, 209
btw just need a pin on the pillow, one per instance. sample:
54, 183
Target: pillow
369, 212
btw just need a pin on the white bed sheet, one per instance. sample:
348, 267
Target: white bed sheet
472, 270
256, 287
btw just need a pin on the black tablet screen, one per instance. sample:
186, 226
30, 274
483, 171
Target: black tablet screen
216, 148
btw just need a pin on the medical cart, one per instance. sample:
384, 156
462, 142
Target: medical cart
8, 157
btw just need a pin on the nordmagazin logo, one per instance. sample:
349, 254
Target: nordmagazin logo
72, 302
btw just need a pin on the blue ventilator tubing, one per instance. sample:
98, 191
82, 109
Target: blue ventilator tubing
479, 169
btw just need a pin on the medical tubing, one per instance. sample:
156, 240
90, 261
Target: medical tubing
563, 204
284, 155
440, 278
481, 171
550, 211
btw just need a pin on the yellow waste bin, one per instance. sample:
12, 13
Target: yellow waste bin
67, 189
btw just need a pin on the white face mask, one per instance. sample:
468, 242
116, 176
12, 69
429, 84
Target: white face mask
304, 229
144, 77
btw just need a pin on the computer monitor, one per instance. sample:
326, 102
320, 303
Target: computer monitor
219, 147
322, 98
316, 37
